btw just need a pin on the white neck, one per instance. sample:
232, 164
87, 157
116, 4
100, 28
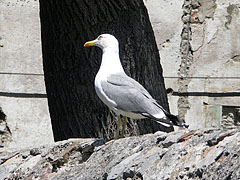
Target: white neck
111, 63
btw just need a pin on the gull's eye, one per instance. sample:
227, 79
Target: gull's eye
100, 37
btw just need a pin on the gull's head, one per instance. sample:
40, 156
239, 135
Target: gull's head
103, 41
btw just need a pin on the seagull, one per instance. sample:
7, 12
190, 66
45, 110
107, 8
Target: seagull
122, 94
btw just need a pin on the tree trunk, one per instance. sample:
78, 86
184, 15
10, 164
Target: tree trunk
70, 69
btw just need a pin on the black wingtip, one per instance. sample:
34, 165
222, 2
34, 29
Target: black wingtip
176, 121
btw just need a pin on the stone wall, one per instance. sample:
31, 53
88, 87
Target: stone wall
197, 154
199, 44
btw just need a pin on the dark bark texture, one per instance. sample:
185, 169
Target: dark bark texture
70, 69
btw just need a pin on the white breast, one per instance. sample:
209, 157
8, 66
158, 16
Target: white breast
110, 103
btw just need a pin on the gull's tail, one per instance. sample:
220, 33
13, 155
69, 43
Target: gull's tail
176, 121
169, 119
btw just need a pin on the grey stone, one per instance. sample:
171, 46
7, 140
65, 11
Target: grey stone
5, 171
218, 136
35, 151
99, 142
161, 136
212, 139
128, 174
171, 140
141, 157
25, 155
29, 164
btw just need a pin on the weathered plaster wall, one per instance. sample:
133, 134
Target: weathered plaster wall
22, 90
166, 21
201, 56
216, 53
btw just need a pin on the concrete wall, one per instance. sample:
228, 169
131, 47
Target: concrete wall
166, 21
199, 44
22, 90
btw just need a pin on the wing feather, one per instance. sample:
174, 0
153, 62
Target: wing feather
129, 95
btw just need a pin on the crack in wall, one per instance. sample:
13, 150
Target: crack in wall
194, 12
201, 47
186, 59
202, 41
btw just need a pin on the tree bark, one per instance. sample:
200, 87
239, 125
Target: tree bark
70, 69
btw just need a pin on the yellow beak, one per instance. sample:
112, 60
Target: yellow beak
89, 43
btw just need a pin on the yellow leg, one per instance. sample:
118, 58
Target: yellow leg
124, 126
118, 127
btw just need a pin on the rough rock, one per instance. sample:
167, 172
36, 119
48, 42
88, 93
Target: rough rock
195, 154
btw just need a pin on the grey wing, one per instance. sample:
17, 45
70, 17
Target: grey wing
129, 95
124, 80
